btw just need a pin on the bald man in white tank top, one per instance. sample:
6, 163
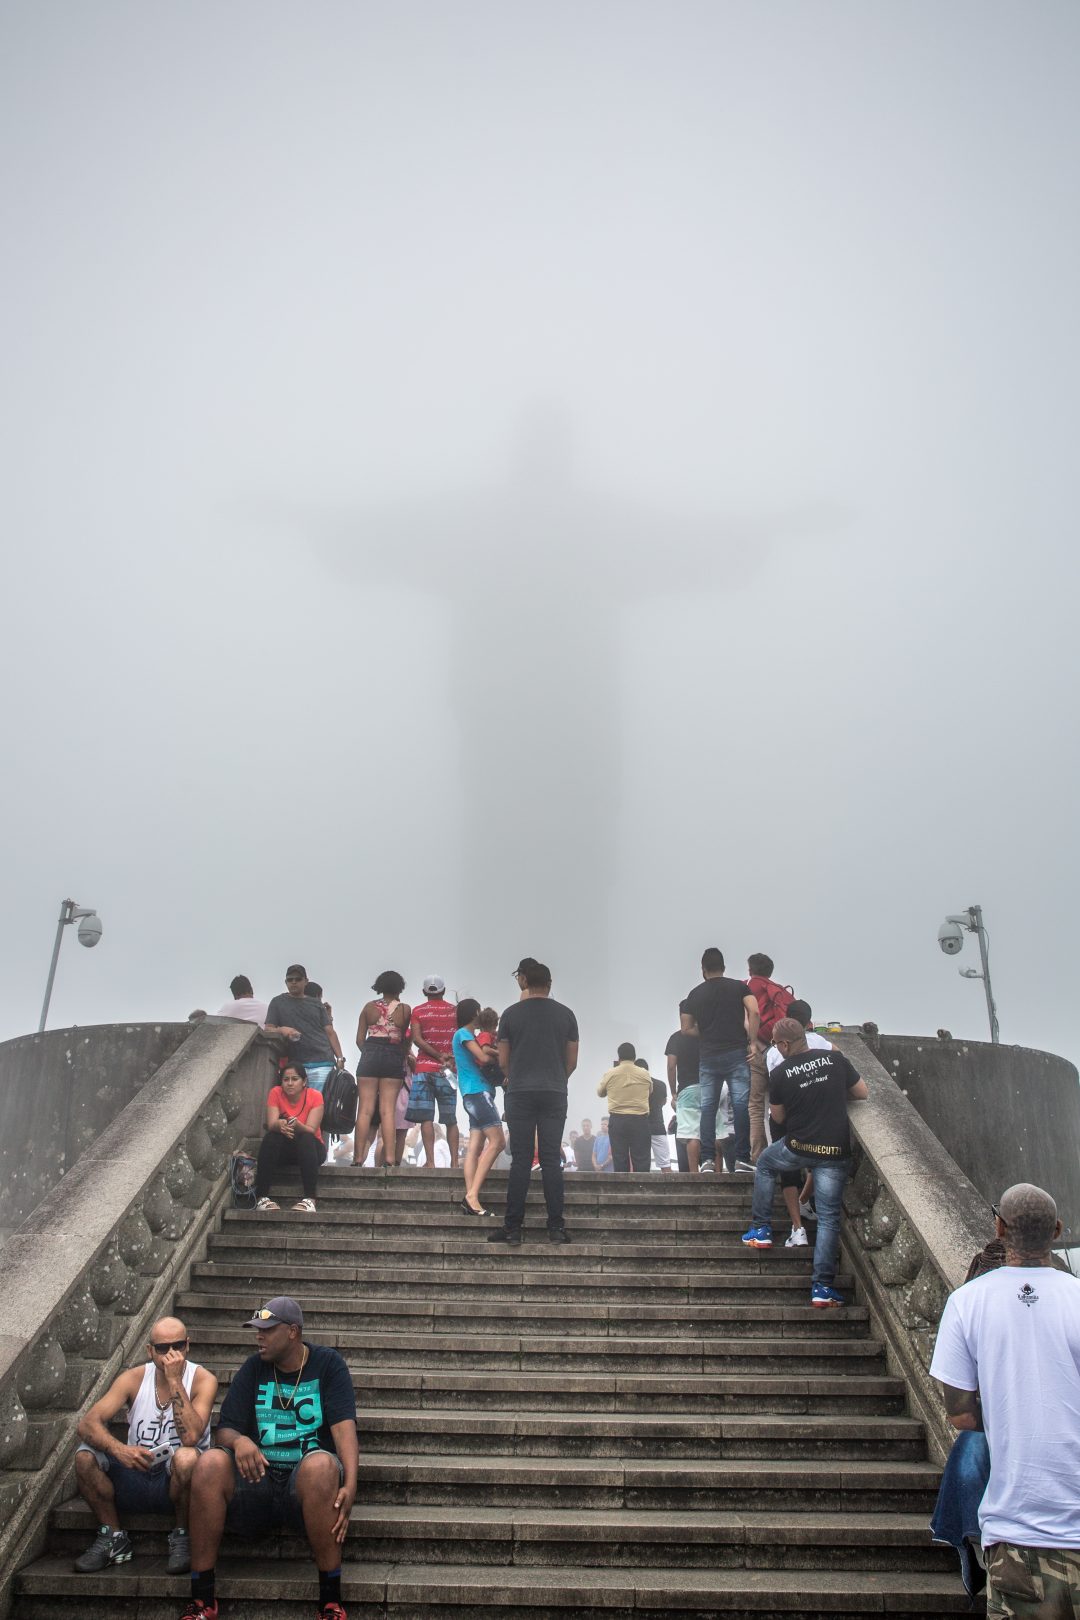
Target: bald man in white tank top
169, 1400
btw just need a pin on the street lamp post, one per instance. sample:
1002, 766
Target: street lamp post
951, 940
89, 934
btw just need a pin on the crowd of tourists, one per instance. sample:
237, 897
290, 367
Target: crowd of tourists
285, 1452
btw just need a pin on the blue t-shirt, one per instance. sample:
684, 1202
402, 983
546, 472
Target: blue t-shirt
469, 1072
603, 1148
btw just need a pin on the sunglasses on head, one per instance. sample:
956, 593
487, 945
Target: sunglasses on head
171, 1344
268, 1316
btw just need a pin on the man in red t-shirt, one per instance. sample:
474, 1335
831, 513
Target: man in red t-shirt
773, 1001
434, 1022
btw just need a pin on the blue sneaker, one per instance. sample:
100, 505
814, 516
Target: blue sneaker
825, 1297
758, 1237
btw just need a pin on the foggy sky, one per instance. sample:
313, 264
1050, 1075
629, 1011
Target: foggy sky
288, 290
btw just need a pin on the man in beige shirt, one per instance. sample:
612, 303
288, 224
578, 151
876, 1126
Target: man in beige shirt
628, 1090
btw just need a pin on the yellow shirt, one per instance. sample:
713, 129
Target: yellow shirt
627, 1089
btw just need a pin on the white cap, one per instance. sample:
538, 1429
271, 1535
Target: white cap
433, 985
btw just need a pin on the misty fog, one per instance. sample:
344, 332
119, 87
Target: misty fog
588, 481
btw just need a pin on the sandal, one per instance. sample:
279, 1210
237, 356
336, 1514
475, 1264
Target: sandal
306, 1206
266, 1204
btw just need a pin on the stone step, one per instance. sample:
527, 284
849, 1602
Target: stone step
408, 1591
597, 1538
639, 1436
642, 1231
603, 1191
456, 1390
430, 1282
725, 1484
790, 1347
328, 1317
294, 1241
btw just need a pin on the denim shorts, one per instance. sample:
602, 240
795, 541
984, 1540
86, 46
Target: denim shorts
429, 1088
135, 1491
381, 1060
480, 1107
268, 1502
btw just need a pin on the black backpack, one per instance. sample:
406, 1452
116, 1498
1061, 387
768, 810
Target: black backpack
340, 1098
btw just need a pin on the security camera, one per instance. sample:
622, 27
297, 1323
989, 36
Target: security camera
89, 929
950, 936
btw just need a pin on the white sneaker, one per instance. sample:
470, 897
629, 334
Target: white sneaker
707, 1169
797, 1240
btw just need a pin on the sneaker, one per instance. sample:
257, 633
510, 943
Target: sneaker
198, 1610
707, 1169
558, 1234
744, 1167
797, 1240
807, 1209
758, 1237
504, 1236
825, 1298
332, 1611
108, 1547
179, 1560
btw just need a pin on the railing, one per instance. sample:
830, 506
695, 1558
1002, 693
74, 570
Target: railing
914, 1222
100, 1258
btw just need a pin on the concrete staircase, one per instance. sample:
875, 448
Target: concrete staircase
649, 1422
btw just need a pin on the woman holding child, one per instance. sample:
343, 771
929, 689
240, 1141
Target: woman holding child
476, 1062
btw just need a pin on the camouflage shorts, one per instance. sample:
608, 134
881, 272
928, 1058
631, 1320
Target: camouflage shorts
1031, 1583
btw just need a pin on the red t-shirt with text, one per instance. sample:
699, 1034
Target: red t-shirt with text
438, 1023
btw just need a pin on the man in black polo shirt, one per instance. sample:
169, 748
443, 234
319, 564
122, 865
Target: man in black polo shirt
808, 1093
538, 1052
724, 1013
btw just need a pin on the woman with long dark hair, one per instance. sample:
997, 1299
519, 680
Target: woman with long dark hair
294, 1113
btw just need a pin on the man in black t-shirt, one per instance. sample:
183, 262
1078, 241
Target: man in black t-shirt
583, 1146
538, 1051
724, 1013
808, 1094
285, 1453
682, 1052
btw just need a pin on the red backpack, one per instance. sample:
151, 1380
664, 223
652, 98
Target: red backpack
773, 1002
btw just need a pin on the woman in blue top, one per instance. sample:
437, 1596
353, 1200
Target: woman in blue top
477, 1092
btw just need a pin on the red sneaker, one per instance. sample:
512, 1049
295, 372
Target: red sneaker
332, 1611
198, 1610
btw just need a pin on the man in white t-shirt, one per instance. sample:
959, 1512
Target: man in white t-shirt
243, 1004
1008, 1357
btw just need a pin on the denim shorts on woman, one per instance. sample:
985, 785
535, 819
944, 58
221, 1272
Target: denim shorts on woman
428, 1088
381, 1060
480, 1107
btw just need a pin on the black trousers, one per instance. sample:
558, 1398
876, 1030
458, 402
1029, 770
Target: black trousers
631, 1141
532, 1115
276, 1150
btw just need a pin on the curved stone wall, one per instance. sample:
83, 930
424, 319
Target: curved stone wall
58, 1092
1004, 1113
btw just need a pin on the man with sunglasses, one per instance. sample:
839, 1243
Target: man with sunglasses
168, 1400
285, 1454
304, 1022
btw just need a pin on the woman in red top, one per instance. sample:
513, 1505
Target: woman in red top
294, 1113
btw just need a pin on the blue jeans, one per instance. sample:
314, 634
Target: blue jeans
830, 1179
717, 1069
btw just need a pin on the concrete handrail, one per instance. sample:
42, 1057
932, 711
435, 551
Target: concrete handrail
914, 1223
88, 1272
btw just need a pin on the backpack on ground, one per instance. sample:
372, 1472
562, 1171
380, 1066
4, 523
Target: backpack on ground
773, 1002
242, 1180
340, 1099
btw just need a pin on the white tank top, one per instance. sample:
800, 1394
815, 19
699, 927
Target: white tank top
148, 1425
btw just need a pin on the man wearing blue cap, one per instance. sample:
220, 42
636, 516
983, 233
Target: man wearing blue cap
285, 1453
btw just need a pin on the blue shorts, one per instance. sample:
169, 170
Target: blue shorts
318, 1074
268, 1503
480, 1107
428, 1089
135, 1491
